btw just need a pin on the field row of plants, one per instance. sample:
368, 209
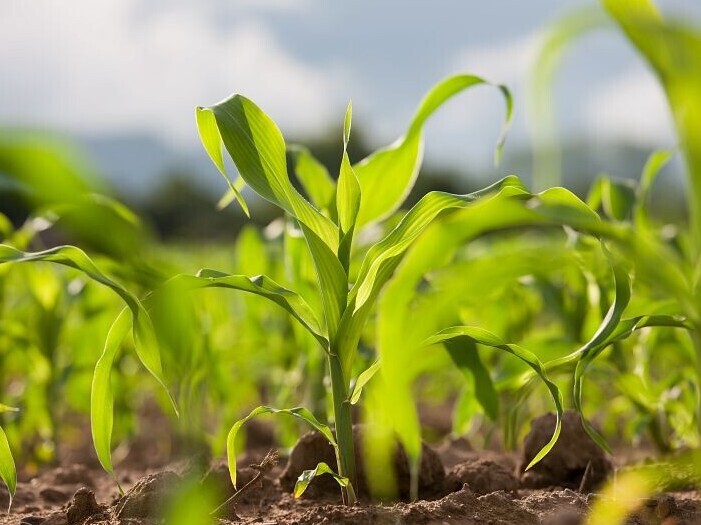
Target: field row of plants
504, 303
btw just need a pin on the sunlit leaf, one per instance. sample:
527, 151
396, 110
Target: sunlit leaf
347, 197
101, 398
593, 347
313, 176
212, 142
258, 285
299, 412
363, 379
306, 477
389, 173
8, 472
412, 225
257, 148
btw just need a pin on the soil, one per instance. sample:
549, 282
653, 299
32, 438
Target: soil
457, 485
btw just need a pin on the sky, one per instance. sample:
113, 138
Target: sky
139, 67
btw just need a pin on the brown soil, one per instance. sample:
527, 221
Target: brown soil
460, 486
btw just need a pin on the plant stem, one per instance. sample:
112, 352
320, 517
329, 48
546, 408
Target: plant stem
344, 428
696, 339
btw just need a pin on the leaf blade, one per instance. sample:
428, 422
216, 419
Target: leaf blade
483, 337
298, 412
306, 477
390, 172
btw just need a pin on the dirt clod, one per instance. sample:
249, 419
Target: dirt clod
148, 497
82, 507
565, 465
483, 477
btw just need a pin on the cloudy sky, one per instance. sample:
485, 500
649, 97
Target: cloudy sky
111, 67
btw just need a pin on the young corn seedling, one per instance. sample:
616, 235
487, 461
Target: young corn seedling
364, 194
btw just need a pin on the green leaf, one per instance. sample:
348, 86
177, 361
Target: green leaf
145, 342
232, 194
298, 412
592, 348
313, 176
72, 257
101, 398
626, 327
463, 352
383, 258
258, 285
618, 198
8, 471
363, 379
257, 148
332, 279
6, 227
485, 338
412, 225
212, 142
306, 477
389, 173
347, 197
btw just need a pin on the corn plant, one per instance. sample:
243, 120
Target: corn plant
364, 194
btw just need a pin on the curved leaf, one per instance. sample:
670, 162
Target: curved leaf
389, 173
412, 225
483, 337
592, 348
145, 342
212, 142
144, 337
8, 471
332, 279
257, 148
101, 398
313, 176
306, 477
258, 285
463, 352
298, 412
547, 161
363, 379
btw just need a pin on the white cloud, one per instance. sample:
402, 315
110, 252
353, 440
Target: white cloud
506, 62
468, 129
631, 105
87, 67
